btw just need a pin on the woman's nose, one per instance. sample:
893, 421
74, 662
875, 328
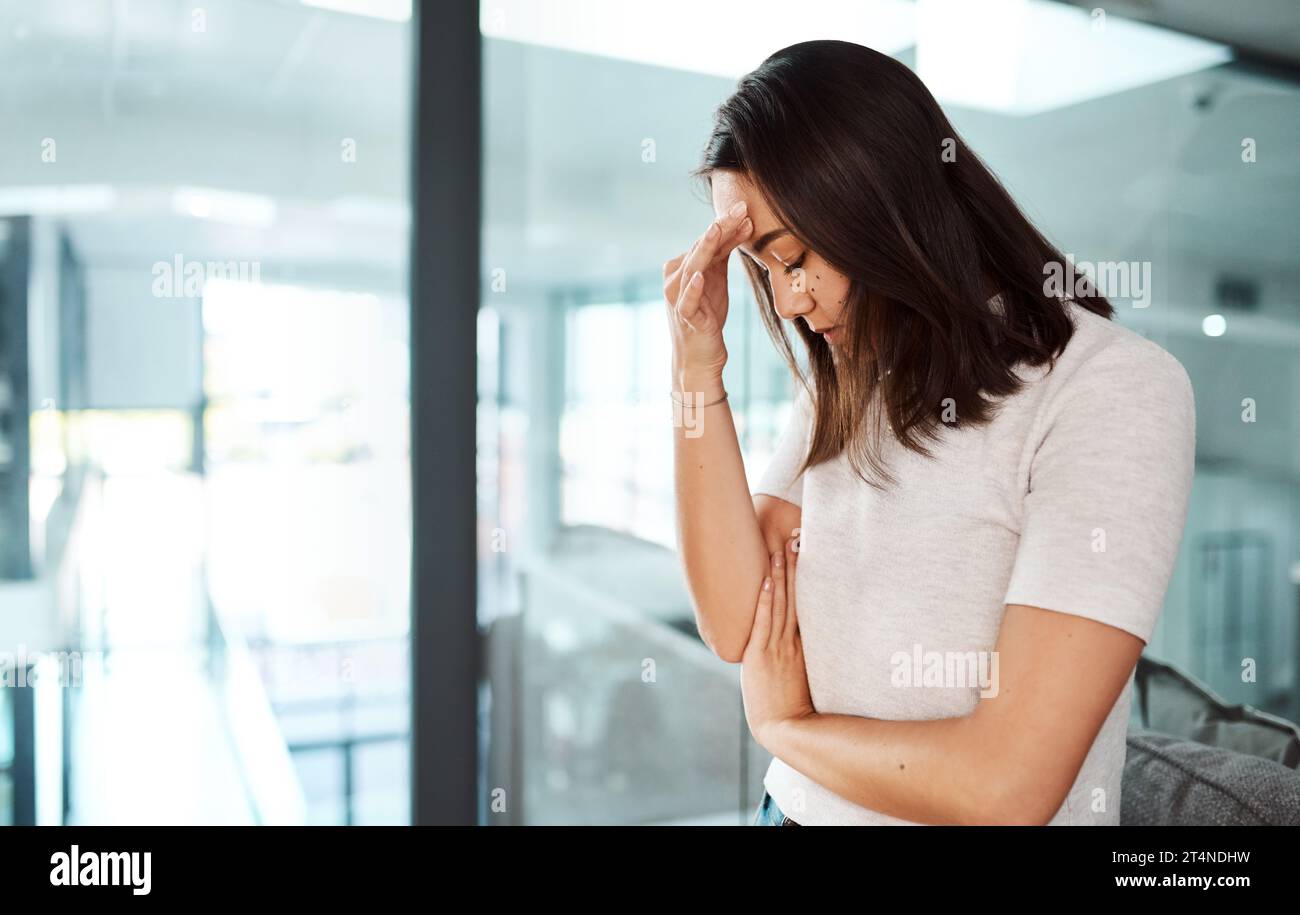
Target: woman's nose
793, 304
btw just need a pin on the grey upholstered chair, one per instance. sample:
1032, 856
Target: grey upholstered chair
1195, 760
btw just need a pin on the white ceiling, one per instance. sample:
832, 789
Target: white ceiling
261, 100
1260, 29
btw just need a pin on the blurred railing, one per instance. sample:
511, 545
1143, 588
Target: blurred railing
266, 767
623, 715
353, 698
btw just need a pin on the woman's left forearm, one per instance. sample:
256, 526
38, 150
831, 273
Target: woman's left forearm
946, 771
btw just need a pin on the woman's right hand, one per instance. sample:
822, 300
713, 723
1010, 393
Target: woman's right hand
698, 310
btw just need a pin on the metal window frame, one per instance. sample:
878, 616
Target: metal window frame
446, 219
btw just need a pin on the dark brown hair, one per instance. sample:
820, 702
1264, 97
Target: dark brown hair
847, 146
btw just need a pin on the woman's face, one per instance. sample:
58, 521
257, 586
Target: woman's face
803, 285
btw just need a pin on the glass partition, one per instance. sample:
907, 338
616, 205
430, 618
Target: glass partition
212, 204
1126, 143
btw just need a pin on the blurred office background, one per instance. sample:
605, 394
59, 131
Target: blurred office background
205, 479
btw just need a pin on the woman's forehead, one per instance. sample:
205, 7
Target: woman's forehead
730, 188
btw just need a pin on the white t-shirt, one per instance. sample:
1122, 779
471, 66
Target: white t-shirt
1072, 499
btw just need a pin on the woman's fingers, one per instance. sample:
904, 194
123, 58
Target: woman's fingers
791, 561
727, 241
673, 276
743, 229
779, 598
762, 629
692, 260
690, 305
717, 241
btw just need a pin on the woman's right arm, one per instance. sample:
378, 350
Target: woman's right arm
724, 535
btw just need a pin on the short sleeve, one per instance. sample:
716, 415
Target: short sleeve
1109, 484
782, 478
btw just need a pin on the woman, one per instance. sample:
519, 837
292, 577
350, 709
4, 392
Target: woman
941, 585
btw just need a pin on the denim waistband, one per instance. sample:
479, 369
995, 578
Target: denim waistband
769, 814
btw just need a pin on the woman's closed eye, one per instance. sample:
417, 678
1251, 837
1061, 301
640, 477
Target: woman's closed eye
792, 267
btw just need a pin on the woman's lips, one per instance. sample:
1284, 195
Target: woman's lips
832, 334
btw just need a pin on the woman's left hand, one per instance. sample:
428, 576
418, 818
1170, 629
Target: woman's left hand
773, 678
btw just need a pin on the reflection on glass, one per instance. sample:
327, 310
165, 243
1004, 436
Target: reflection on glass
603, 704
203, 292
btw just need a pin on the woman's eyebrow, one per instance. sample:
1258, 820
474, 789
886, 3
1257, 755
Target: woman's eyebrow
767, 238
